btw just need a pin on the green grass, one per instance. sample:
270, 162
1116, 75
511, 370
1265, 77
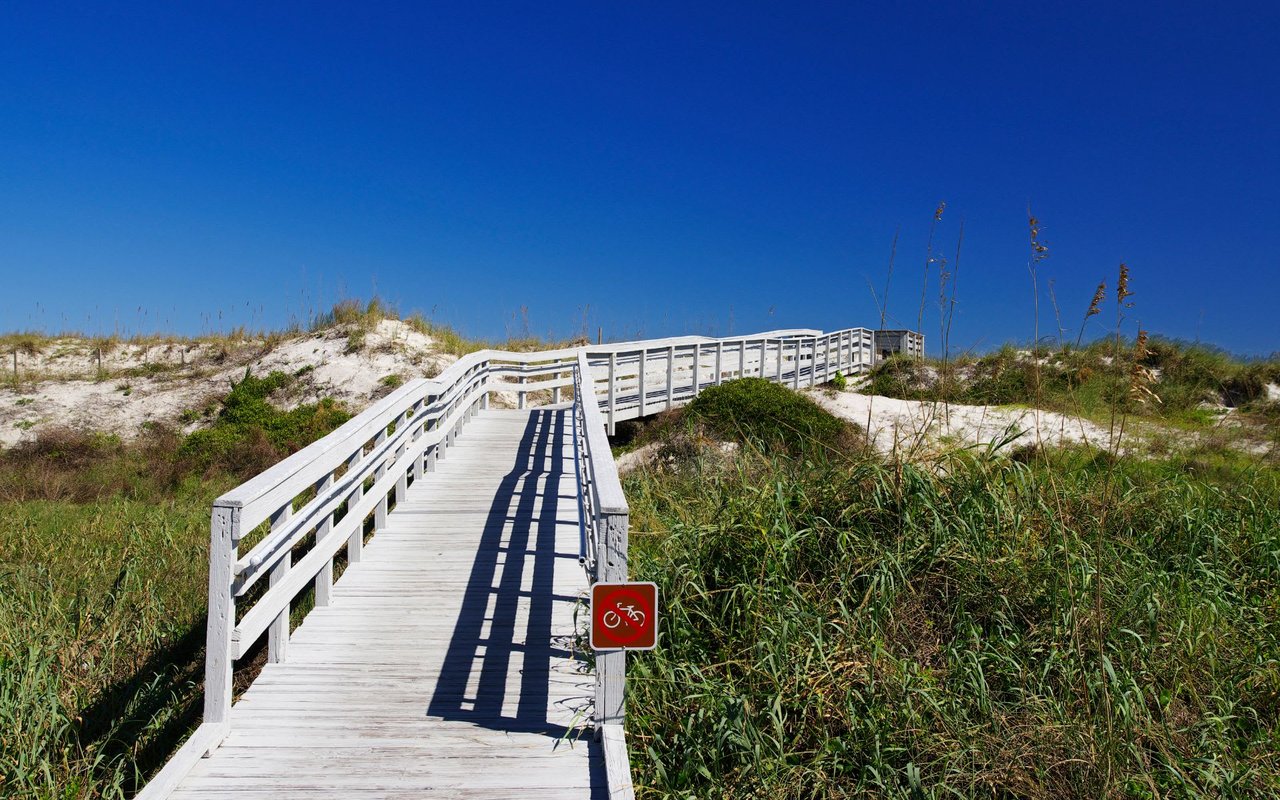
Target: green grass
103, 574
1076, 627
101, 627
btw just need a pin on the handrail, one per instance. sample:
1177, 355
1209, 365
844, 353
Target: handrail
326, 493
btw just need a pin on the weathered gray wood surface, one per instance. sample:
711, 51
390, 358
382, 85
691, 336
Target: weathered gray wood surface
445, 664
448, 641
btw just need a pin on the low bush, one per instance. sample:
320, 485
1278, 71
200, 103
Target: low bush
754, 409
250, 434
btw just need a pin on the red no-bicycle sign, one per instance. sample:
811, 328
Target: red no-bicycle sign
624, 616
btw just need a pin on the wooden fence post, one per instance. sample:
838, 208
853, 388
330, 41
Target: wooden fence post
278, 633
324, 578
224, 532
611, 667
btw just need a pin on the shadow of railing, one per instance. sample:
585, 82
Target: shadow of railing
486, 659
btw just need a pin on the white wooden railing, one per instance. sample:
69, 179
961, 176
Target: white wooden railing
330, 495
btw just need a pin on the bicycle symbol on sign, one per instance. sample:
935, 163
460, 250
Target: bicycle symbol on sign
613, 618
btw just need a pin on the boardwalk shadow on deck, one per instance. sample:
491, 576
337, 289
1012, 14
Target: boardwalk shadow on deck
528, 500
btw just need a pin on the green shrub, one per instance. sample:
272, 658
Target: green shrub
251, 434
839, 382
756, 409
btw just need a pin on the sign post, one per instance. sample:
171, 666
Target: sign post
624, 616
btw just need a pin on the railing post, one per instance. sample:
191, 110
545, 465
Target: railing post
429, 455
380, 510
611, 666
224, 533
719, 363
742, 358
799, 358
697, 357
324, 578
780, 349
355, 544
278, 633
520, 393
419, 461
644, 363
613, 366
671, 377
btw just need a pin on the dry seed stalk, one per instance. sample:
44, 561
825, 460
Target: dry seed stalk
1095, 308
1140, 376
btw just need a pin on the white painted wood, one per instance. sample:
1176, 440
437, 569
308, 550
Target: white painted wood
644, 401
205, 739
278, 632
224, 531
617, 762
324, 578
380, 512
613, 368
611, 667
697, 362
671, 377
355, 544
354, 712
428, 417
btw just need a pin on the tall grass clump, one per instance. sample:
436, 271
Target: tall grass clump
103, 572
851, 628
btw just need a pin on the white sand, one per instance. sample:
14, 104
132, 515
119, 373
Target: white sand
64, 393
910, 427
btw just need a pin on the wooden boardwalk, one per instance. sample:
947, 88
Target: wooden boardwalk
446, 664
444, 661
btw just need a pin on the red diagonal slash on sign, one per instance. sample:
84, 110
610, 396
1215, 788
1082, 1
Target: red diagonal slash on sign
624, 616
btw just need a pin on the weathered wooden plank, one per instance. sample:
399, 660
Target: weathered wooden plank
455, 625
372, 666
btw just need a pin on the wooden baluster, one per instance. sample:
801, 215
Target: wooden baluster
402, 480
644, 362
671, 376
419, 429
719, 363
324, 578
429, 457
278, 633
380, 510
355, 544
613, 367
697, 357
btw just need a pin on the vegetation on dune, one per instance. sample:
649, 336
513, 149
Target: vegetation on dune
1069, 625
758, 410
250, 434
1093, 380
103, 570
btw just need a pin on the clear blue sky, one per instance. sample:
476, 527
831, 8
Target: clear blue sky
675, 168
